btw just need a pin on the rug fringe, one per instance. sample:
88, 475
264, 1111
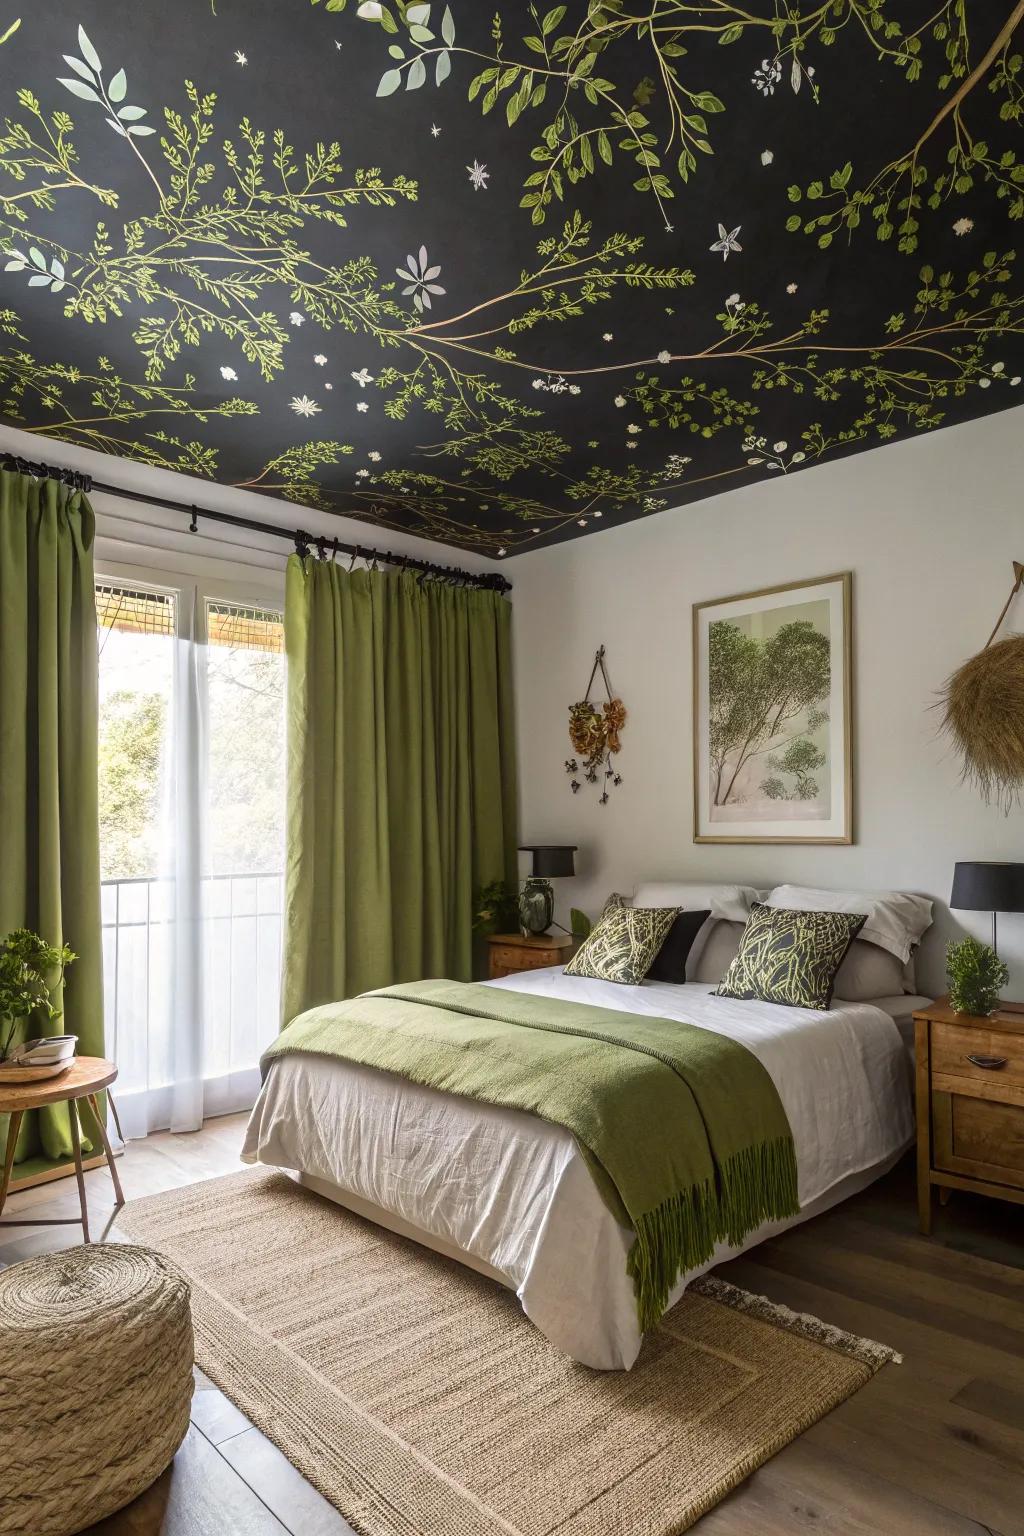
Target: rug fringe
868, 1351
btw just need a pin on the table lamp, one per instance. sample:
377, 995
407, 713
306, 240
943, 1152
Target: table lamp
537, 900
983, 887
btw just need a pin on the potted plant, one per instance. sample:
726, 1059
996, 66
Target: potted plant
26, 961
496, 909
976, 974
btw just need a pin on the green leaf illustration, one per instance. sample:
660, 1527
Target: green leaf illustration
443, 68
79, 88
118, 87
416, 76
448, 26
89, 53
389, 82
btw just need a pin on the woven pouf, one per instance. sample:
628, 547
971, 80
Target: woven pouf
95, 1383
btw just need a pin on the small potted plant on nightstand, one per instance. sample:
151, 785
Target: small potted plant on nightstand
976, 976
26, 963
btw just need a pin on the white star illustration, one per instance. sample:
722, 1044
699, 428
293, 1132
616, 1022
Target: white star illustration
435, 131
478, 175
240, 57
362, 376
302, 405
726, 241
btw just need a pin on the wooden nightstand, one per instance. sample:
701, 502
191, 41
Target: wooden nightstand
510, 952
970, 1105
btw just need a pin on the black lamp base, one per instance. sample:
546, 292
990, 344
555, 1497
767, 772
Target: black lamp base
536, 907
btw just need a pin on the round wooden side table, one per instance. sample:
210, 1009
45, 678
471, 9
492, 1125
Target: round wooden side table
87, 1077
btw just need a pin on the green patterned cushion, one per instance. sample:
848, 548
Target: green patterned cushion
790, 957
624, 944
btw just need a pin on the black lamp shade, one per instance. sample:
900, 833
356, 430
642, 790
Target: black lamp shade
988, 887
550, 862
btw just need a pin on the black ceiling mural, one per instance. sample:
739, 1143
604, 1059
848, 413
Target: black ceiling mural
502, 277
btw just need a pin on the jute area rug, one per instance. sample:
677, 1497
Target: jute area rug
419, 1400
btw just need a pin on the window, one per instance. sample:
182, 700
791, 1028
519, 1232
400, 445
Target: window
191, 778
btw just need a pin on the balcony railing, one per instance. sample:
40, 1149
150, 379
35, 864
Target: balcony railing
242, 972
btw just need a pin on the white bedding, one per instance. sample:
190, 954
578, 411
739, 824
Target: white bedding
511, 1194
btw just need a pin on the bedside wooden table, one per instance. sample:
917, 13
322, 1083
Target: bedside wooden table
511, 953
970, 1105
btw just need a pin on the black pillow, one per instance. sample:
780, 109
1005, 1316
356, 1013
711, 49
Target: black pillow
670, 961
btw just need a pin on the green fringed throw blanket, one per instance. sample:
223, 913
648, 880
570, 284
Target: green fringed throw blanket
681, 1128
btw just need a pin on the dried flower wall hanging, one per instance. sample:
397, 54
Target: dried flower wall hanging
595, 734
984, 712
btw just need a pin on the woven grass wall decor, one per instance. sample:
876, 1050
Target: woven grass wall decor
984, 713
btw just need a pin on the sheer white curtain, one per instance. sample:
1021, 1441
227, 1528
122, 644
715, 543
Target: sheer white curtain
184, 1021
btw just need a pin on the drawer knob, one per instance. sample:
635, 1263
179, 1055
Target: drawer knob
989, 1063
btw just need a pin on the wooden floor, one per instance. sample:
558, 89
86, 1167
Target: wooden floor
934, 1447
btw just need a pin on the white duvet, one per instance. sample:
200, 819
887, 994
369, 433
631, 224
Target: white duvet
511, 1193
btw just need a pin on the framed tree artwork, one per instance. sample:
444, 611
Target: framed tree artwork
772, 728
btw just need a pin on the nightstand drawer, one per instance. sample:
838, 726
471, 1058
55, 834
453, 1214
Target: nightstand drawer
520, 959
979, 1138
983, 1055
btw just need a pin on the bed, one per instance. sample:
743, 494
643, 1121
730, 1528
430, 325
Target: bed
509, 1194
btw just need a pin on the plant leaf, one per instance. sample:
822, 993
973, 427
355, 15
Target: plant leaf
80, 68
443, 68
389, 82
79, 88
448, 26
89, 53
141, 131
131, 114
416, 76
118, 87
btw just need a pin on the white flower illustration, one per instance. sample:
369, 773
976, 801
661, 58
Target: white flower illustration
767, 156
362, 474
374, 455
501, 551
633, 427
726, 241
320, 360
296, 318
963, 226
791, 287
574, 389
607, 336
767, 77
328, 386
362, 377
423, 275
664, 356
478, 175
620, 400
228, 373
362, 405
370, 10
240, 57
302, 405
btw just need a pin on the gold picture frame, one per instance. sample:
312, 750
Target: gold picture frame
753, 780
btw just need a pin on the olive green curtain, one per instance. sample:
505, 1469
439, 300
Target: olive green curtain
401, 776
49, 822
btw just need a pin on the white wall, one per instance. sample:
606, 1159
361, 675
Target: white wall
929, 529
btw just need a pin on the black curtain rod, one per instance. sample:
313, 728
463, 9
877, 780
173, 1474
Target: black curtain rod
305, 543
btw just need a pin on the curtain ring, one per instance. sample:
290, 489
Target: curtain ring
355, 557
193, 526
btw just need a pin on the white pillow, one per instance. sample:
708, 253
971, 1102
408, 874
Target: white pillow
716, 954
895, 920
867, 972
730, 902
